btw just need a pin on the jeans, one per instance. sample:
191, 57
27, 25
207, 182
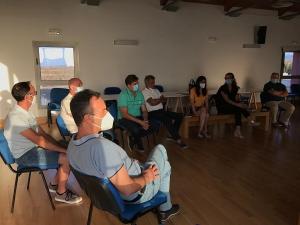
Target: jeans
136, 130
171, 120
237, 111
159, 157
38, 157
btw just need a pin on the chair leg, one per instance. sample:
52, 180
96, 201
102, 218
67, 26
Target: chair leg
90, 214
49, 116
15, 192
47, 189
28, 181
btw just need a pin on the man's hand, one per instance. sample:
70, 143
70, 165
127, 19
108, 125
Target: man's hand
151, 174
145, 124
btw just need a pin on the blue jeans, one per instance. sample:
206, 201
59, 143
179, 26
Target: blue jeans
159, 157
38, 157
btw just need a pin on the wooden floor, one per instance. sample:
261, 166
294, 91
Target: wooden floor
222, 181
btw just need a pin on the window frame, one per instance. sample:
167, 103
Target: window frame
38, 79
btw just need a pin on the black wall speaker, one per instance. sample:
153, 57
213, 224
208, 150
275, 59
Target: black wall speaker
260, 34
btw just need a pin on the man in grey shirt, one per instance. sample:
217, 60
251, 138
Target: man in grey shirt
91, 154
32, 147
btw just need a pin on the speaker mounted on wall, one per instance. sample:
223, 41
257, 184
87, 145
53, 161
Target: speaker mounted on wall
260, 35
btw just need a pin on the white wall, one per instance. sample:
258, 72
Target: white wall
173, 46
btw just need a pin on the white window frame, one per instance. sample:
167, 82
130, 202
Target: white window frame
39, 81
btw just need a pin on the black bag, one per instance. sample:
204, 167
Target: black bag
192, 84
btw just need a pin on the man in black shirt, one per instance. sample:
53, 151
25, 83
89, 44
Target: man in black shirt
273, 96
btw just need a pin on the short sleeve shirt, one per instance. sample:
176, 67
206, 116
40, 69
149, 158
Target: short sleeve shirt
231, 95
97, 156
66, 114
154, 94
131, 102
276, 87
196, 100
18, 120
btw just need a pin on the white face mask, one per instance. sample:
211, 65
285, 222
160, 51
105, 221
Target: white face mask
202, 85
33, 100
79, 89
106, 123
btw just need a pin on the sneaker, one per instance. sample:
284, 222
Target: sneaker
200, 136
170, 138
276, 125
206, 135
254, 124
165, 215
68, 197
238, 134
182, 145
52, 187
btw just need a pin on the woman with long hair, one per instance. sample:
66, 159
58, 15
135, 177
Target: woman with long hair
228, 102
199, 102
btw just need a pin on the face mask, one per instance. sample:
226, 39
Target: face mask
106, 123
274, 81
136, 87
202, 85
228, 81
79, 89
32, 101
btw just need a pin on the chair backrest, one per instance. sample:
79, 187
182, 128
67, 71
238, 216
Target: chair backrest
113, 110
112, 90
295, 88
62, 127
5, 151
101, 192
159, 87
58, 94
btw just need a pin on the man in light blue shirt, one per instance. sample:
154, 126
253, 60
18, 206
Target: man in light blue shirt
91, 154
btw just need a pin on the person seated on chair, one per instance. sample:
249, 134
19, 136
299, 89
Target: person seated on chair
228, 102
75, 86
199, 102
31, 146
273, 96
132, 112
154, 104
91, 154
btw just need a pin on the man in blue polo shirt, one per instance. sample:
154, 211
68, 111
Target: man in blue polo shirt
132, 113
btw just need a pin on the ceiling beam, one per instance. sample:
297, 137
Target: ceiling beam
237, 12
282, 11
289, 16
228, 4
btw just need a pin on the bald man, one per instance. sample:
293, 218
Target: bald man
75, 86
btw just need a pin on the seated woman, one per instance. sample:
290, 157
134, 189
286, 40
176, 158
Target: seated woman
228, 102
199, 102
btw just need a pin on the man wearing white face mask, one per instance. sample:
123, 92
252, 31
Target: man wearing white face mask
273, 96
132, 113
32, 147
154, 103
75, 86
91, 154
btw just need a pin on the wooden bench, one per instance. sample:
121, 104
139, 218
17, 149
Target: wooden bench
193, 121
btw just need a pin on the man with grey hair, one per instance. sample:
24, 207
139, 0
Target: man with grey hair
75, 86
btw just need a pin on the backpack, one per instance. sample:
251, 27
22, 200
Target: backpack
192, 84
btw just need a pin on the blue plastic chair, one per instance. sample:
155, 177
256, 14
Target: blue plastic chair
8, 159
159, 87
112, 90
63, 130
105, 196
56, 96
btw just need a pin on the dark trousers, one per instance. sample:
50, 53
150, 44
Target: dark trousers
171, 120
136, 130
237, 111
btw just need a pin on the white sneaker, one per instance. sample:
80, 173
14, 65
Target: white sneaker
68, 197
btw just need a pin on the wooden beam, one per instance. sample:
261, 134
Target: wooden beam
236, 12
289, 16
228, 4
284, 10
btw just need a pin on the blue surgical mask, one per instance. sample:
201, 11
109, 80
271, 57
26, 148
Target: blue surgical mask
228, 81
79, 89
274, 81
136, 87
202, 85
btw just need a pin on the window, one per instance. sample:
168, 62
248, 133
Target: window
56, 63
290, 68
